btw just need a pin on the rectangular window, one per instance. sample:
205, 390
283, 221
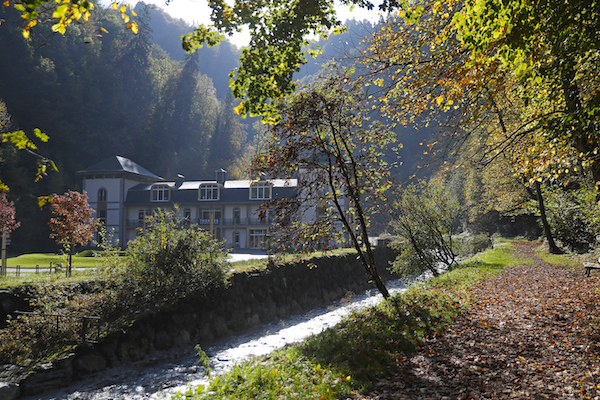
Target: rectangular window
256, 238
205, 216
142, 215
260, 191
209, 192
160, 193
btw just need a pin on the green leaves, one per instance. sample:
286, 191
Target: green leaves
278, 31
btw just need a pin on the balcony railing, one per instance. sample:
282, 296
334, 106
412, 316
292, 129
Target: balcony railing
206, 221
135, 223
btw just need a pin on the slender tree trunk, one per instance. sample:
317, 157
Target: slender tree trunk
70, 260
554, 249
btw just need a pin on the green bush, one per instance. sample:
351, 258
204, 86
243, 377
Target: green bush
471, 245
167, 262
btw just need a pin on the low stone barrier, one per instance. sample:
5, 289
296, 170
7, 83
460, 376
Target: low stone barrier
250, 299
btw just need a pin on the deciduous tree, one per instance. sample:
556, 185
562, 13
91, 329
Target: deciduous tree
73, 223
329, 144
423, 217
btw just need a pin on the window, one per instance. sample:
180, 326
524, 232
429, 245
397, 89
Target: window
205, 217
187, 215
256, 238
142, 215
160, 193
102, 195
209, 192
260, 191
102, 205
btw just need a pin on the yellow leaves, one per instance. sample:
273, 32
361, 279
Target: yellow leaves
439, 100
26, 29
43, 200
68, 12
132, 25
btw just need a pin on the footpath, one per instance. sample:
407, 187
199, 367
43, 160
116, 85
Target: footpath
531, 333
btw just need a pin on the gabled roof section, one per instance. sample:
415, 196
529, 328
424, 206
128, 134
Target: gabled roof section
119, 164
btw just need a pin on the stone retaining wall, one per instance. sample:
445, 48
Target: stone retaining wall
251, 299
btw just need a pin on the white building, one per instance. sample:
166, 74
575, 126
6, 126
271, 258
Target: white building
124, 194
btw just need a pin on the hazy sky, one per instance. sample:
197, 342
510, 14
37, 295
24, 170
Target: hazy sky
197, 12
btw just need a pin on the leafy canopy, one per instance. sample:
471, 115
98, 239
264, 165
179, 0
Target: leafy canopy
62, 13
279, 30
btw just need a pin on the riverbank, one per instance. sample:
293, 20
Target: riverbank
505, 325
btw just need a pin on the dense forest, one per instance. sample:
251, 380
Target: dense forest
102, 92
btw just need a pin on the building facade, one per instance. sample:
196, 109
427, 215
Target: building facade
125, 194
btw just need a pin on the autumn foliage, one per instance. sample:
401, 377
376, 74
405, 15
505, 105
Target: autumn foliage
7, 215
73, 223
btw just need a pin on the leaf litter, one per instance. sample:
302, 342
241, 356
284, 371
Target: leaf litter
531, 333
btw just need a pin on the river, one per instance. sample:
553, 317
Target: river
162, 374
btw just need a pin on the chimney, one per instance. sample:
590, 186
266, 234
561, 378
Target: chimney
220, 175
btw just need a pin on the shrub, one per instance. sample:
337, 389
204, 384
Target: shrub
167, 262
573, 215
471, 245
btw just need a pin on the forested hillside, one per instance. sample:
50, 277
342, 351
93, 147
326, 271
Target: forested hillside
102, 93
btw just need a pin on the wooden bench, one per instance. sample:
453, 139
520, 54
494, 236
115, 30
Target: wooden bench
590, 266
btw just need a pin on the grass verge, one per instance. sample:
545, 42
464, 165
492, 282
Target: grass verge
43, 260
369, 344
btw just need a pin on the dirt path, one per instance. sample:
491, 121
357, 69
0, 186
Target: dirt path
531, 333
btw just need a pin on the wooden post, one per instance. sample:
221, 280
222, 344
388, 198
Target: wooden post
3, 269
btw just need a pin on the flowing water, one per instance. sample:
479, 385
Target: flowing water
164, 373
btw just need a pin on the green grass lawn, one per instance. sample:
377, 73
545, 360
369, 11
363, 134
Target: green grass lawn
44, 260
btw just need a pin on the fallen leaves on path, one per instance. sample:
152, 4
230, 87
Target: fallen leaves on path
531, 333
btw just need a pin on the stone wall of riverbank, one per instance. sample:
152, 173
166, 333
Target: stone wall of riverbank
250, 299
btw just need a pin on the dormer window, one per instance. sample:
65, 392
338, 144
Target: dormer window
209, 192
160, 193
260, 191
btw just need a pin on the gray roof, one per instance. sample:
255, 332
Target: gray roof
119, 164
233, 192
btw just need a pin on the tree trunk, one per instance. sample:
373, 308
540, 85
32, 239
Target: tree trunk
554, 249
70, 261
373, 272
